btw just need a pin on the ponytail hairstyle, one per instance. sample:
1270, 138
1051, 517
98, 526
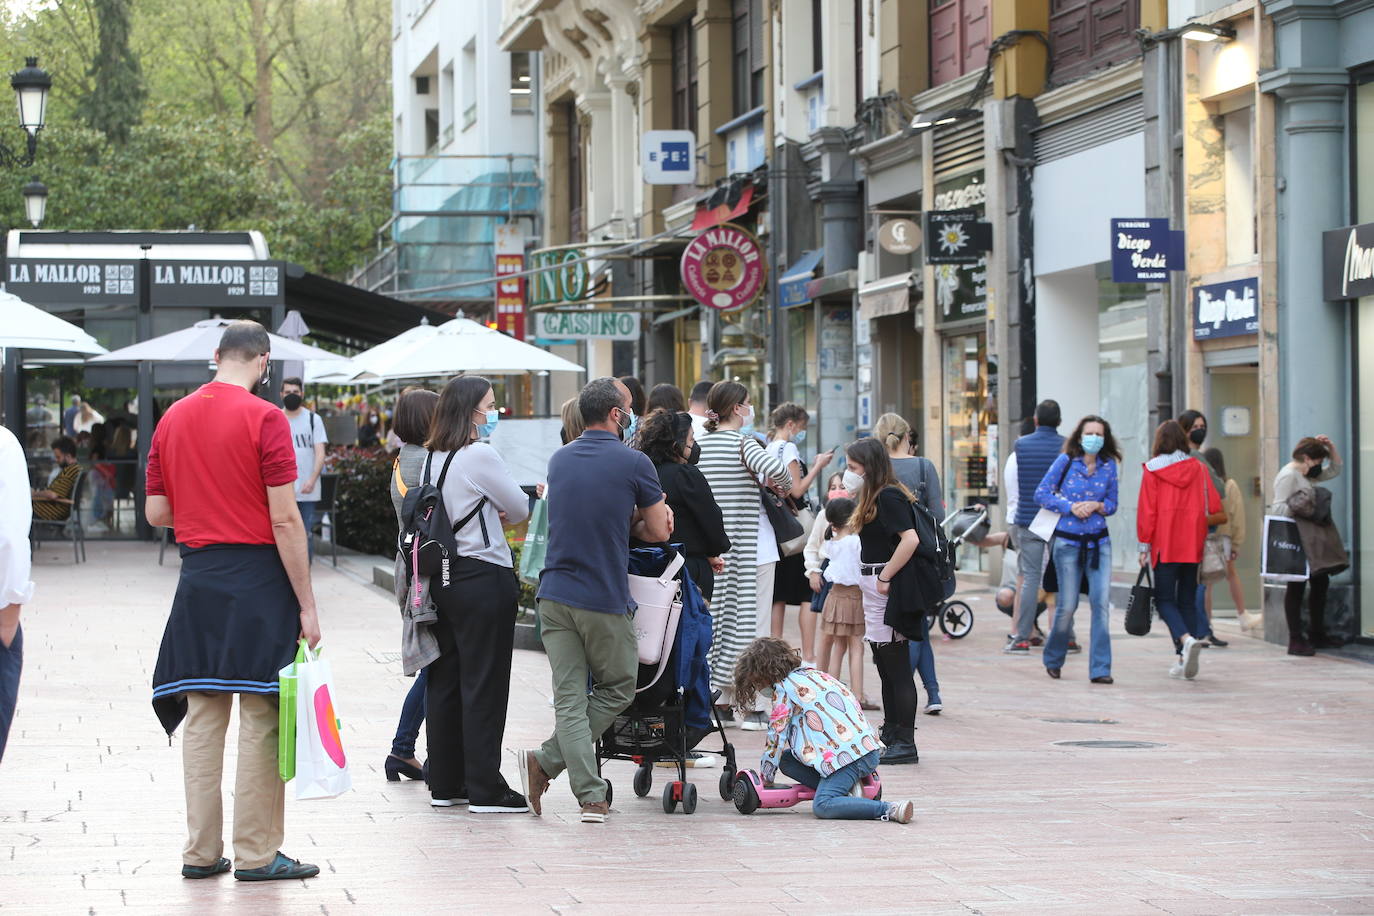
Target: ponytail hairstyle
892, 431
786, 413
722, 401
838, 513
878, 475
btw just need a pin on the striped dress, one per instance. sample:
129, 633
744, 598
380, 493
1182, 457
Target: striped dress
734, 607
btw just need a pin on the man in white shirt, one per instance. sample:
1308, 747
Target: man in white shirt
309, 439
696, 406
16, 514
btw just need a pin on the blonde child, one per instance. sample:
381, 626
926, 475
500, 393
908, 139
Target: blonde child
817, 734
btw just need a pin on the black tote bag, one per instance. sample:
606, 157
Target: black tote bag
1140, 604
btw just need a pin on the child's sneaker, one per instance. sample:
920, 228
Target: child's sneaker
902, 812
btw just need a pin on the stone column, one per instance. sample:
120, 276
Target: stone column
715, 99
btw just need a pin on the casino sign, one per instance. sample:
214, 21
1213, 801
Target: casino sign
723, 268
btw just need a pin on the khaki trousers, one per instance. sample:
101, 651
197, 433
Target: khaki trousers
259, 793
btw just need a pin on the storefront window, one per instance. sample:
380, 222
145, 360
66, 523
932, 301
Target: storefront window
967, 415
1363, 171
802, 352
1123, 391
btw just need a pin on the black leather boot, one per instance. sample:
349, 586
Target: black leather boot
901, 748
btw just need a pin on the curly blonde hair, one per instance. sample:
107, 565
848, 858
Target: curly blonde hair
763, 663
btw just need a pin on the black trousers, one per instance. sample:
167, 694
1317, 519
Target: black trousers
893, 660
1316, 608
699, 568
469, 683
11, 666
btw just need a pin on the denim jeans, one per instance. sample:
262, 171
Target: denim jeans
308, 519
1068, 565
1030, 554
1176, 600
1204, 625
11, 664
923, 662
412, 717
833, 800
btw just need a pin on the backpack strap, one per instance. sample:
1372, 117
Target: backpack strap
486, 540
396, 473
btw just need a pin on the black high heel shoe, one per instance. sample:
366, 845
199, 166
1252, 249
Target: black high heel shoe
396, 768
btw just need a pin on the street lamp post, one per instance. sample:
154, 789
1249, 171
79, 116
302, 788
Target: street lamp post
31, 87
35, 201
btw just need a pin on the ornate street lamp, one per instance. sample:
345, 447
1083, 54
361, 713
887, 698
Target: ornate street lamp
31, 87
35, 201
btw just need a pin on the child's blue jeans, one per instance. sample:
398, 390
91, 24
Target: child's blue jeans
833, 800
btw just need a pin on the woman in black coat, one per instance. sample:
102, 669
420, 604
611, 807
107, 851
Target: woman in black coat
666, 437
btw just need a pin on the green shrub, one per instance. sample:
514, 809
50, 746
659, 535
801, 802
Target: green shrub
363, 512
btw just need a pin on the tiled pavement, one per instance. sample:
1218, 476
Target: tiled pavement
1259, 799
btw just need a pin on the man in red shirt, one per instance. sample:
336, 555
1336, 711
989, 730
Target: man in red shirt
221, 470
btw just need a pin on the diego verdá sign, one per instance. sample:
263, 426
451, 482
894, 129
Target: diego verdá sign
1145, 250
1226, 309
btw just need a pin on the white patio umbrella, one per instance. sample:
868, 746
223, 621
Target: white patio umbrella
459, 346
41, 335
197, 344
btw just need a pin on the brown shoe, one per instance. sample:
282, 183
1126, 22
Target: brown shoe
595, 812
534, 782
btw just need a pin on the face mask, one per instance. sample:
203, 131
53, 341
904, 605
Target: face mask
1092, 443
748, 418
291, 401
623, 430
1198, 435
800, 437
634, 425
695, 454
266, 379
372, 419
837, 493
485, 429
1314, 471
852, 482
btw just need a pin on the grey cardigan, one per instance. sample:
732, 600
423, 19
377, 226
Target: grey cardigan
419, 645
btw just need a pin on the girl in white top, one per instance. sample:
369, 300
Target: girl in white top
842, 619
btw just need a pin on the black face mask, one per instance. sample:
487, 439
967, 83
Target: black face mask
695, 454
291, 401
1314, 471
1198, 435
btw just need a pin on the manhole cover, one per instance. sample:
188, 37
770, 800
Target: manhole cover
1083, 721
1109, 744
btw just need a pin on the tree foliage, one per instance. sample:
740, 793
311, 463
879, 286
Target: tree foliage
243, 114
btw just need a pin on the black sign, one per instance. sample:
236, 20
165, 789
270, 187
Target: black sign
1348, 262
956, 236
214, 284
43, 281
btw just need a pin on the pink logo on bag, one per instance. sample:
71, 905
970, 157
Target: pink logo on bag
328, 727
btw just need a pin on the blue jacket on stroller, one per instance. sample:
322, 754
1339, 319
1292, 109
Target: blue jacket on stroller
687, 667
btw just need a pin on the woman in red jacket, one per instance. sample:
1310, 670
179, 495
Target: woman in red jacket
1177, 502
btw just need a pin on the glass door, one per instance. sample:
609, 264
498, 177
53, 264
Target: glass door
967, 414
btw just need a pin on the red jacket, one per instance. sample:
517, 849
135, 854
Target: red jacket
1176, 496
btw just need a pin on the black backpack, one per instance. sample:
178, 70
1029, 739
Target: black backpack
935, 548
427, 539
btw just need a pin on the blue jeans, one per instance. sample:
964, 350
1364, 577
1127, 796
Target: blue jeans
1030, 556
412, 717
923, 662
833, 800
1176, 600
11, 664
1200, 605
308, 519
1068, 565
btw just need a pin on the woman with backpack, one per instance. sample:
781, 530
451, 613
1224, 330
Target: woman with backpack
469, 683
886, 525
1177, 503
1081, 486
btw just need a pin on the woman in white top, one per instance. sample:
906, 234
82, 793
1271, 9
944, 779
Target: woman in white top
788, 424
1308, 468
733, 463
469, 684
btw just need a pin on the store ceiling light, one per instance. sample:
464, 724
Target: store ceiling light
1204, 31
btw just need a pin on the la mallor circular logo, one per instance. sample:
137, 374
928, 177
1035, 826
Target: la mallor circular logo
724, 268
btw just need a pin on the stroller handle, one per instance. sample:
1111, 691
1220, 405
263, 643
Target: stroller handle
978, 519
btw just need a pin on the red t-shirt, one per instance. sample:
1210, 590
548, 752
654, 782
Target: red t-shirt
214, 454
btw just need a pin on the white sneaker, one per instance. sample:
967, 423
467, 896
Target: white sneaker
1177, 669
695, 760
754, 722
902, 812
1192, 648
933, 709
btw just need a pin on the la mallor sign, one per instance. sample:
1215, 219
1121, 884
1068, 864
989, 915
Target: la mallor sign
1348, 262
218, 283
1226, 309
724, 268
587, 325
67, 282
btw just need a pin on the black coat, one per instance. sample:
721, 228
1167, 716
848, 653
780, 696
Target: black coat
697, 523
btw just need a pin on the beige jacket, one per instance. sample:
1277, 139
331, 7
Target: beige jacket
1235, 515
1290, 480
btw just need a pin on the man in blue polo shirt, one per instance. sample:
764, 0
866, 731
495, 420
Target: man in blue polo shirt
1034, 455
600, 494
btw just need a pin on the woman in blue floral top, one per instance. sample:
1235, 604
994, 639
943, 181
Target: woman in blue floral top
817, 734
1081, 486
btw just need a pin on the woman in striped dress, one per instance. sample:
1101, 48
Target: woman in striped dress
733, 462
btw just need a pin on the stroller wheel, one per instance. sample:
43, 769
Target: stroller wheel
644, 779
669, 802
746, 799
610, 792
689, 798
727, 783
956, 619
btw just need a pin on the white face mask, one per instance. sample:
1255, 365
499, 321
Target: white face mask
852, 482
748, 419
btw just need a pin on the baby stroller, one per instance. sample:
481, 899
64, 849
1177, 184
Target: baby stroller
971, 524
672, 711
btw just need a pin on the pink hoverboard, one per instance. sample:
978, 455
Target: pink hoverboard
751, 794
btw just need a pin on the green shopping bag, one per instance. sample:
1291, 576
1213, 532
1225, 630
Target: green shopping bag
536, 543
286, 718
